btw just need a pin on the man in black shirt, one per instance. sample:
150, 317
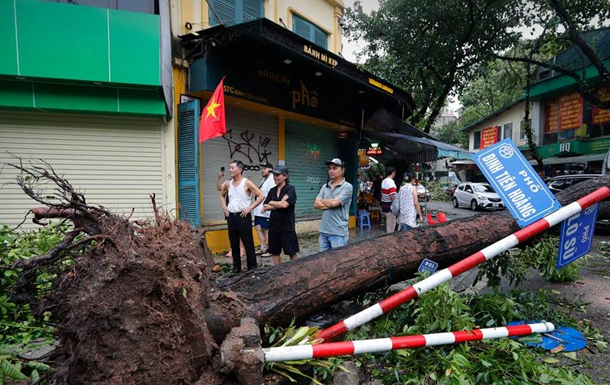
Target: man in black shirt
280, 201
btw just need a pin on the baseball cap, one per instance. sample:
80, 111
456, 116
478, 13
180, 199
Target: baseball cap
336, 162
280, 170
267, 164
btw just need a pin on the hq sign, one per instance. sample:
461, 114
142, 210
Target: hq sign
526, 196
576, 236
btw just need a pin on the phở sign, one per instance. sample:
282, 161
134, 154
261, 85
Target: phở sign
526, 196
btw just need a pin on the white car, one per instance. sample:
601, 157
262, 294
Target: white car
477, 196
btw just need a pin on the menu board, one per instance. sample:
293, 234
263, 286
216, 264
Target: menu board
564, 113
489, 136
602, 116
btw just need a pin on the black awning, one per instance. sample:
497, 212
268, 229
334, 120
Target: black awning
413, 144
269, 45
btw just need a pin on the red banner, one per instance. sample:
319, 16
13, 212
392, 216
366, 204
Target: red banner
489, 136
564, 113
602, 116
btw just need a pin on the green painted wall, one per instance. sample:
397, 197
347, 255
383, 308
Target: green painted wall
78, 43
551, 87
8, 47
580, 147
80, 98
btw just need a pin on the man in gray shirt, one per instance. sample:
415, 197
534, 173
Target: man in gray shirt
334, 200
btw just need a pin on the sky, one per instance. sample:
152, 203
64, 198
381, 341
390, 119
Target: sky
350, 48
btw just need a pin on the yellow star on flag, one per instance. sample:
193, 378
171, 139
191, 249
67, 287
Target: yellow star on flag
212, 109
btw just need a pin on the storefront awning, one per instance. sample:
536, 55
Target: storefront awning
268, 64
414, 144
575, 159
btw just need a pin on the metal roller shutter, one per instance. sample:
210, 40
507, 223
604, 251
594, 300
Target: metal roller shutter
307, 149
116, 161
252, 138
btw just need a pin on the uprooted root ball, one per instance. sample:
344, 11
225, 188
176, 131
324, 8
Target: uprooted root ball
132, 310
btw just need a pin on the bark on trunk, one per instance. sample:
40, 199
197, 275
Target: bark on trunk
303, 287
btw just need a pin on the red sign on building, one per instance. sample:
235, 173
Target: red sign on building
564, 113
602, 116
489, 136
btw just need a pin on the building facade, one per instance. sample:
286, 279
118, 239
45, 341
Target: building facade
87, 88
290, 99
572, 135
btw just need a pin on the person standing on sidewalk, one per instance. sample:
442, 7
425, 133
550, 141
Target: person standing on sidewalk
219, 186
237, 211
334, 200
280, 203
261, 218
409, 205
388, 194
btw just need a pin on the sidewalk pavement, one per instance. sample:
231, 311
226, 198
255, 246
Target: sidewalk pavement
308, 243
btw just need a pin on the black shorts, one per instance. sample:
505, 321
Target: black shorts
286, 240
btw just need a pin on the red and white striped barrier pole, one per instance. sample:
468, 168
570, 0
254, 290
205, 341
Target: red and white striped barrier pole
458, 268
333, 349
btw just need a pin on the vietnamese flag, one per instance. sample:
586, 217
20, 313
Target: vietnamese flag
213, 123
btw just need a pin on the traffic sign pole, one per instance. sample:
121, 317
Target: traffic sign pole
466, 264
334, 349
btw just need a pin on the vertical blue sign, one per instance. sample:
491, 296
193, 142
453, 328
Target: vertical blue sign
428, 265
523, 192
576, 236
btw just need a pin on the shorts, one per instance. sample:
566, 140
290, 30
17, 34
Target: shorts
262, 221
286, 240
386, 207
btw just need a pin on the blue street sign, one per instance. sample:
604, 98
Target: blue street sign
428, 265
523, 192
576, 236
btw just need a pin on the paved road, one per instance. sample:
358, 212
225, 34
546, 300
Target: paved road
450, 211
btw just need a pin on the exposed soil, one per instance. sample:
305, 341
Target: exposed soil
133, 310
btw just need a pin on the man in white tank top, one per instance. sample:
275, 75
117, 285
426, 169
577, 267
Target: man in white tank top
237, 210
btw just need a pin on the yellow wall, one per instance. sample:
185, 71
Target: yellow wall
323, 13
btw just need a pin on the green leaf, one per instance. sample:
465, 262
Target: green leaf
531, 339
486, 364
35, 376
11, 371
550, 360
571, 355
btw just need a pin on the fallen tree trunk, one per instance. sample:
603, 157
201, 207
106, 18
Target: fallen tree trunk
305, 286
139, 303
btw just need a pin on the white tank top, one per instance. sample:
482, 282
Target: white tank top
238, 198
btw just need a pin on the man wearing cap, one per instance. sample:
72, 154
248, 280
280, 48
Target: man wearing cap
334, 200
280, 202
261, 219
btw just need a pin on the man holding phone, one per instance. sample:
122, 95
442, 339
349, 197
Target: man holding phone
239, 192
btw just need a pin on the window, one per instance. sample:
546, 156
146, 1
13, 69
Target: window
477, 140
468, 189
231, 12
522, 133
484, 188
508, 131
141, 6
309, 31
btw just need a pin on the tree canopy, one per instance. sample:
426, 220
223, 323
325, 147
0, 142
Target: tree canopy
435, 48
